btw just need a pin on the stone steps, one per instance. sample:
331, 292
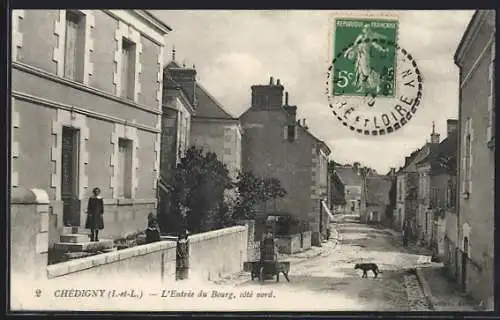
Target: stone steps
74, 238
86, 246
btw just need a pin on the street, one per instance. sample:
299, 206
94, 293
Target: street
332, 275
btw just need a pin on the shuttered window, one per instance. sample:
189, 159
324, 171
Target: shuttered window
74, 46
128, 69
124, 168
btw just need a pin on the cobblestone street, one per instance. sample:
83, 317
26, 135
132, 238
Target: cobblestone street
331, 274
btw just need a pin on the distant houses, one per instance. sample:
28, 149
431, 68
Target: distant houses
350, 177
376, 200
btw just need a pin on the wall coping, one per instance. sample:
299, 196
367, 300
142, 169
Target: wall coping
215, 233
61, 269
22, 195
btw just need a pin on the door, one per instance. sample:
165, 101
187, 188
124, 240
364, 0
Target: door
70, 177
465, 254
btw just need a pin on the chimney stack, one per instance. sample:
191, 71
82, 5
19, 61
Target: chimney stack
271, 81
278, 82
286, 98
451, 126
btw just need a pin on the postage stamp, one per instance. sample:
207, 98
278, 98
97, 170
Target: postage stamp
374, 85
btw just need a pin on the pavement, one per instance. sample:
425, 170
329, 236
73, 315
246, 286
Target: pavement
327, 273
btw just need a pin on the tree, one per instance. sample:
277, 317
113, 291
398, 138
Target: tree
253, 190
198, 187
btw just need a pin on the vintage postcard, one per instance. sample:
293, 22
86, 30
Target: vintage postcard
263, 160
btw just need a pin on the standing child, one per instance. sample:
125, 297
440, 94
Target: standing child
153, 230
95, 210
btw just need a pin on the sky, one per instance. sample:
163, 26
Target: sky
233, 50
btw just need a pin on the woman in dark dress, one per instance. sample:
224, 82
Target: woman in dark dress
95, 210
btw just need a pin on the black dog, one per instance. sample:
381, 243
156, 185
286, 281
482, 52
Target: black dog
367, 267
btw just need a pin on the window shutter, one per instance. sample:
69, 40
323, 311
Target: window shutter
285, 132
71, 47
295, 132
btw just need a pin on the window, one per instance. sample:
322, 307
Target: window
125, 168
74, 46
290, 132
434, 197
128, 69
227, 151
467, 157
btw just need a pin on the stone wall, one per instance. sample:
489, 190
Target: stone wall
216, 253
29, 233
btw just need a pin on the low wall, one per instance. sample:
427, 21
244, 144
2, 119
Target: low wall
217, 253
289, 244
154, 261
306, 240
29, 233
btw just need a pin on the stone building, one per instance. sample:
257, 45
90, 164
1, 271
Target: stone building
178, 108
276, 144
376, 198
337, 194
86, 112
475, 57
350, 177
424, 171
435, 180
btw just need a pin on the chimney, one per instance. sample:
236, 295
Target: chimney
451, 126
267, 97
434, 134
304, 124
286, 98
186, 78
278, 82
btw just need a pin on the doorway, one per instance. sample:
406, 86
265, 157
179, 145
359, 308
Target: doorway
70, 176
465, 254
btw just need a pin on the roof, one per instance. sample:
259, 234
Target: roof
415, 157
156, 19
208, 106
442, 155
378, 189
348, 176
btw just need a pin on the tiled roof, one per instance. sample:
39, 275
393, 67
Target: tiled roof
348, 176
208, 106
378, 189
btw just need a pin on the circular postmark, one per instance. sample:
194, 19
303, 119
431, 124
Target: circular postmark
374, 86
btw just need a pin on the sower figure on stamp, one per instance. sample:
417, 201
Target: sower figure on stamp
95, 210
367, 79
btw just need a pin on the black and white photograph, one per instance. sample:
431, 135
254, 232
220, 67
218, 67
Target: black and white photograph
252, 160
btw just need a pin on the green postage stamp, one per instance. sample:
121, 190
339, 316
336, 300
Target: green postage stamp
365, 57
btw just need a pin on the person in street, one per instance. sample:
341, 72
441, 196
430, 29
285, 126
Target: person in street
95, 211
153, 229
405, 234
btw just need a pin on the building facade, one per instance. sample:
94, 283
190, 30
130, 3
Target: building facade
435, 177
376, 199
350, 177
178, 107
87, 113
276, 145
475, 58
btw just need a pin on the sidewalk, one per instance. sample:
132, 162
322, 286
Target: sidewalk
442, 294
